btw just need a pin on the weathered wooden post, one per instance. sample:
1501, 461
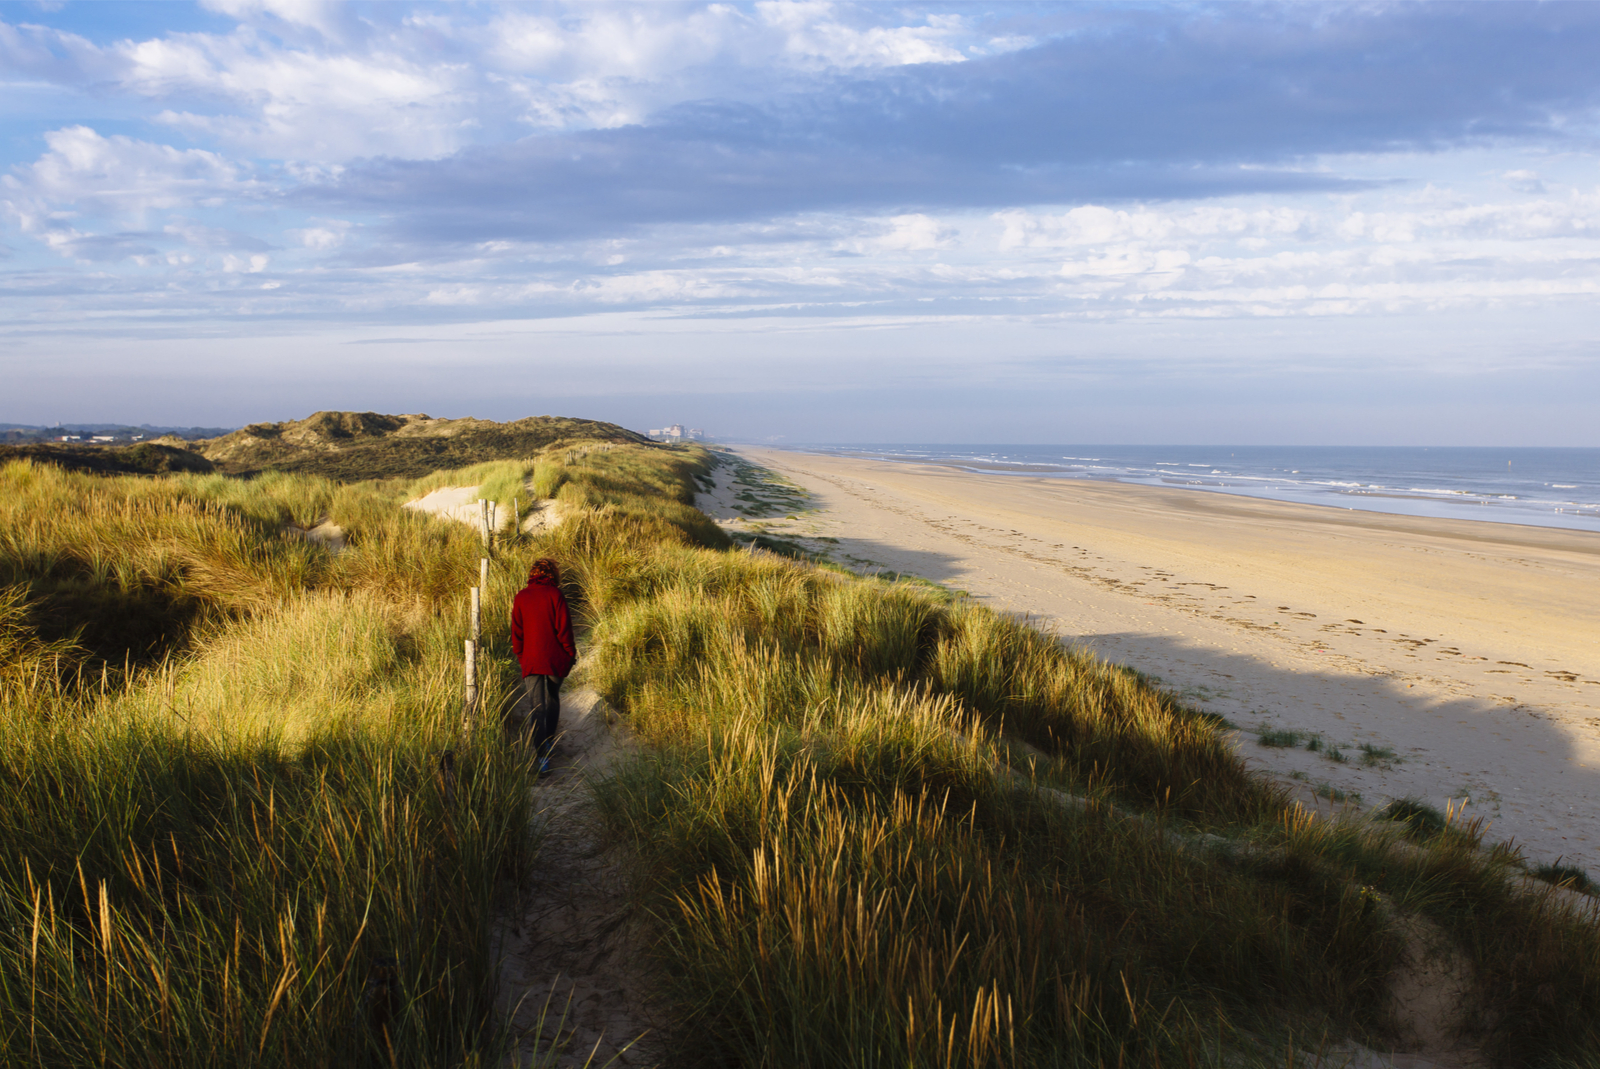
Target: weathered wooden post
477, 614
470, 703
516, 514
483, 523
483, 574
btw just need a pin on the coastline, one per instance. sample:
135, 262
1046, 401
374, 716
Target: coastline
1460, 484
1469, 652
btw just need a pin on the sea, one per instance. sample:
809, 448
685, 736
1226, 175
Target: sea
1535, 486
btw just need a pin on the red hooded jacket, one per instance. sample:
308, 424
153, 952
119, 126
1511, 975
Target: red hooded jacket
541, 630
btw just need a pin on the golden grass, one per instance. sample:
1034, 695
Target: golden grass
877, 825
237, 844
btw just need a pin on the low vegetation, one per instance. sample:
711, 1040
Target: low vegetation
875, 824
881, 828
146, 458
367, 445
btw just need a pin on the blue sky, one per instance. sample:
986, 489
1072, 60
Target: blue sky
1363, 224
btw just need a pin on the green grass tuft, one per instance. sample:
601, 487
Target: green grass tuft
1421, 819
1280, 739
1567, 876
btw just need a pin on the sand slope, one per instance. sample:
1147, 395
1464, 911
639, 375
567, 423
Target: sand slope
1469, 650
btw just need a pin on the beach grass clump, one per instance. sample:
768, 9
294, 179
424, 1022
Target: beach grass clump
1572, 876
127, 566
243, 843
1373, 754
875, 892
1280, 738
312, 663
1421, 820
546, 478
179, 901
1533, 993
1324, 789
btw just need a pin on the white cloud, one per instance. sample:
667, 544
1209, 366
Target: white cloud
312, 85
902, 233
304, 105
118, 177
54, 55
328, 234
1094, 224
198, 236
426, 83
324, 18
614, 42
814, 31
1524, 181
249, 265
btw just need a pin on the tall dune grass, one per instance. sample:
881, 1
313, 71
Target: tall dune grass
876, 826
885, 827
245, 847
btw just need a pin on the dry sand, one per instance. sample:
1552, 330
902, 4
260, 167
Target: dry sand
575, 939
1469, 650
460, 503
453, 502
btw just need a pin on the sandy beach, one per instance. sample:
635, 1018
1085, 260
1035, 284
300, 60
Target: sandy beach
1464, 656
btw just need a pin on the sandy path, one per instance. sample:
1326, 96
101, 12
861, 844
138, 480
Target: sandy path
575, 932
1469, 650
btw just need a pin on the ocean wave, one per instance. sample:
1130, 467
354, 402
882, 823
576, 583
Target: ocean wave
1466, 483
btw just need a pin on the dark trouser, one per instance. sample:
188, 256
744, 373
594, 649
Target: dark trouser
539, 711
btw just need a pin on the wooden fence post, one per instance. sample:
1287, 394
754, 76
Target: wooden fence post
483, 574
477, 615
483, 523
516, 514
470, 703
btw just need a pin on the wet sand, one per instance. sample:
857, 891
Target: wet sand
1470, 651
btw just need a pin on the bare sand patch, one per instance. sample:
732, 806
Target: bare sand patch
541, 516
451, 503
461, 503
325, 532
1464, 656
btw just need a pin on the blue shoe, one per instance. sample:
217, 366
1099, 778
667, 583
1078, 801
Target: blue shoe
544, 766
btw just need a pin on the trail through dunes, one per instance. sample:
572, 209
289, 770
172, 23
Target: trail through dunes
573, 974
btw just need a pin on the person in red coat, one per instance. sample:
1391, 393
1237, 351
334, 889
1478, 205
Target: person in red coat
541, 637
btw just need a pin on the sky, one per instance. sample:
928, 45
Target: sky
808, 221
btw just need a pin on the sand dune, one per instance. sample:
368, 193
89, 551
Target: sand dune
1470, 651
460, 503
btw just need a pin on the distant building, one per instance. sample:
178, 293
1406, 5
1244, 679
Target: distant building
676, 433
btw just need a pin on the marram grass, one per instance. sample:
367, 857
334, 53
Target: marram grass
241, 845
875, 825
883, 827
